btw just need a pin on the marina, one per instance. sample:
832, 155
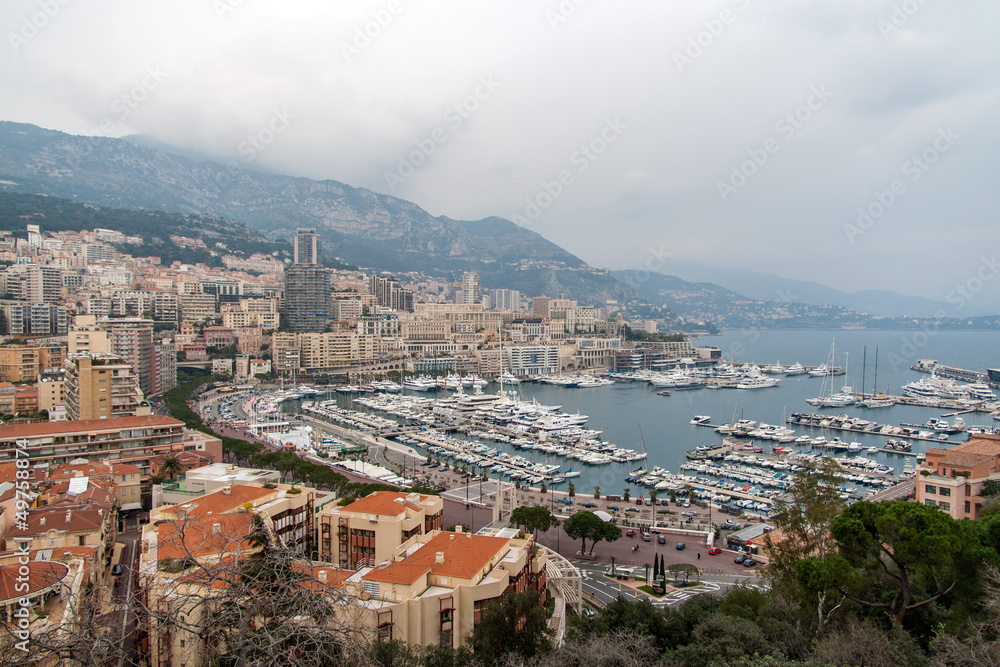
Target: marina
625, 404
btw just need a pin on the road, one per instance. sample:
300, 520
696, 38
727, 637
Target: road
124, 596
607, 590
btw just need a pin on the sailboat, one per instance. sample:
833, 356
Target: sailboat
877, 400
844, 397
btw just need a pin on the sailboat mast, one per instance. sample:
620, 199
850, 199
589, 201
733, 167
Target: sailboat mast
875, 381
864, 361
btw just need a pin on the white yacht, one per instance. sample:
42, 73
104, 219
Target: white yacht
422, 383
795, 369
820, 371
757, 382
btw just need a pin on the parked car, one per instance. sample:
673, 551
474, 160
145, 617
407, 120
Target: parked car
632, 509
689, 513
749, 562
714, 551
661, 539
638, 501
116, 570
590, 505
629, 533
740, 559
680, 546
645, 537
612, 508
649, 502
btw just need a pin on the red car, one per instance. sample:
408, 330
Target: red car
714, 551
629, 533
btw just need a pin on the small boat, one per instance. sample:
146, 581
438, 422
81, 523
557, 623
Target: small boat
700, 419
665, 392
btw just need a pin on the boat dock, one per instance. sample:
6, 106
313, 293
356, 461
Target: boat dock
952, 373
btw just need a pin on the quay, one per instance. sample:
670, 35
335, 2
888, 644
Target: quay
990, 377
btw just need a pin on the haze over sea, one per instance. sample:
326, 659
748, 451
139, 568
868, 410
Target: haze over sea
622, 409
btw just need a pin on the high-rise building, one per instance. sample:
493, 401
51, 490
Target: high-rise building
307, 298
540, 306
470, 289
100, 386
134, 344
306, 247
164, 367
507, 299
389, 293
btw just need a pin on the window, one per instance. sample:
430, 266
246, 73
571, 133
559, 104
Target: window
968, 507
930, 488
930, 502
946, 506
944, 491
82, 540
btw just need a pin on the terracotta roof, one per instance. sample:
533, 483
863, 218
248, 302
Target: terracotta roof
27, 392
10, 432
125, 469
204, 535
397, 572
390, 503
82, 519
41, 575
964, 459
219, 502
68, 470
979, 446
465, 555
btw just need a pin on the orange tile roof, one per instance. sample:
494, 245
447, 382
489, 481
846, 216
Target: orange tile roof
125, 469
82, 519
41, 575
88, 469
979, 446
465, 555
10, 432
397, 572
199, 536
381, 502
219, 502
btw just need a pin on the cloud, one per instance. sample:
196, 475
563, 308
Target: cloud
367, 81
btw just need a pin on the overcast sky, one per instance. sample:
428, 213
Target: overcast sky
737, 133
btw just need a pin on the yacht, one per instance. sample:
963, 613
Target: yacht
387, 386
775, 369
700, 419
757, 382
422, 383
820, 371
877, 403
507, 378
795, 369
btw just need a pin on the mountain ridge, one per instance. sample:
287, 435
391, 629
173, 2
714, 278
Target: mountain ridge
358, 225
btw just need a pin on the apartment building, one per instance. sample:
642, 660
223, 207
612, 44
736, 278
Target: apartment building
367, 531
954, 479
133, 440
525, 360
263, 313
24, 363
100, 386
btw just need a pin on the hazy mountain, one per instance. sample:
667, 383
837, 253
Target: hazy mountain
768, 287
359, 226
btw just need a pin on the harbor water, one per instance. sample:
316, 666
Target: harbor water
633, 415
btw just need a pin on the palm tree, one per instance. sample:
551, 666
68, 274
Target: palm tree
571, 491
597, 492
627, 495
170, 465
652, 496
